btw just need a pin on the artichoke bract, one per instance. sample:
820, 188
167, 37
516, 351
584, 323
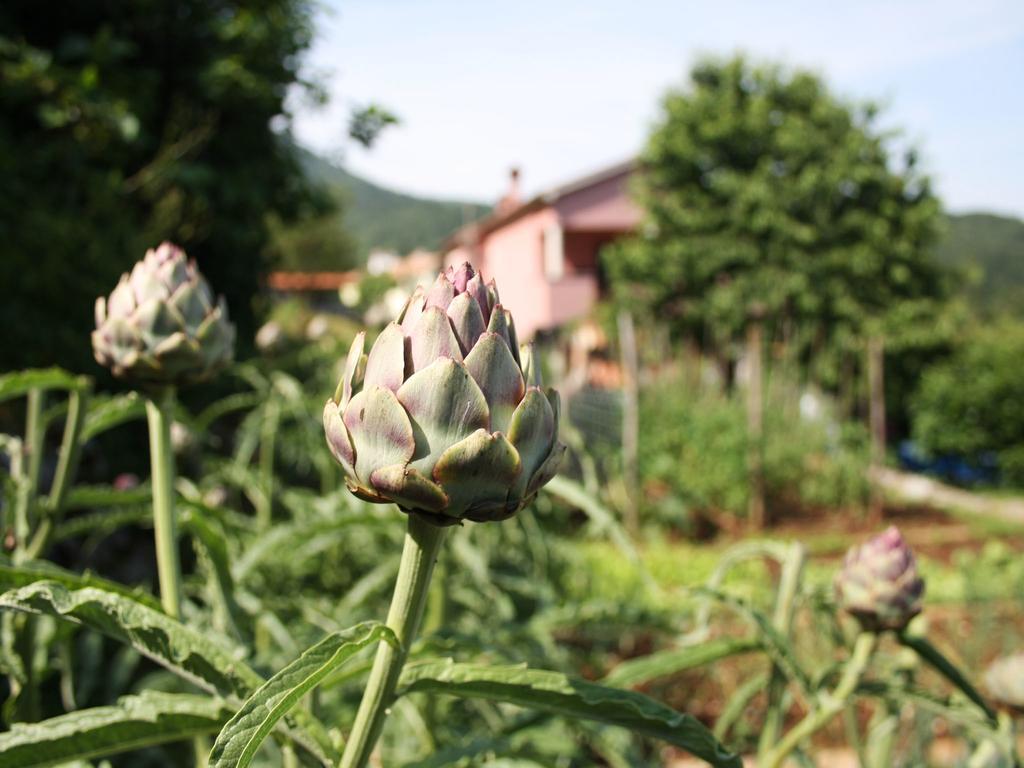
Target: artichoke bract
444, 416
161, 324
879, 584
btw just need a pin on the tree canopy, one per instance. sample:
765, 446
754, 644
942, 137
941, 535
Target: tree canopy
764, 190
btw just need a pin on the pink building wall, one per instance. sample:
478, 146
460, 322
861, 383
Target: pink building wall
586, 218
514, 256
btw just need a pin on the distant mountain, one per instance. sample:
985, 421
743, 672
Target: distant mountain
379, 218
990, 249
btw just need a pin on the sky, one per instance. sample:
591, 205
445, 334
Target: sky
562, 89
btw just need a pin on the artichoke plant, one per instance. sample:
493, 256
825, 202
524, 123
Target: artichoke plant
161, 324
879, 584
445, 416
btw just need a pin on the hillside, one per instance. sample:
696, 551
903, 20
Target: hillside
991, 249
379, 218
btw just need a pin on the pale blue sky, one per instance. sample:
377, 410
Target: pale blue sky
563, 88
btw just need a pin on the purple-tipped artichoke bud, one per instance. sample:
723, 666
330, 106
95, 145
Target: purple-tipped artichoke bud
441, 417
1004, 679
161, 324
879, 584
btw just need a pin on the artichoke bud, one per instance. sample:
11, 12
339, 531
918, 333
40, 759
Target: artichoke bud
161, 324
879, 584
443, 416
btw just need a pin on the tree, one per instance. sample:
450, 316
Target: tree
762, 189
770, 203
126, 122
972, 403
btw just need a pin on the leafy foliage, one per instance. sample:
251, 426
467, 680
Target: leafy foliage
973, 402
693, 455
366, 124
557, 693
241, 737
185, 651
672, 661
134, 722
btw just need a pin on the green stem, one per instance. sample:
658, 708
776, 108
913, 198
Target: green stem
830, 704
67, 466
881, 739
34, 433
422, 543
32, 452
161, 457
782, 620
268, 433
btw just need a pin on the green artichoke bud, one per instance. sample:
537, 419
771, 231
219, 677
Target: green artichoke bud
1004, 679
161, 324
442, 417
879, 584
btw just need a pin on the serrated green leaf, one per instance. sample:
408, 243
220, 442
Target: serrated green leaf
134, 722
959, 712
240, 739
20, 382
775, 644
559, 694
209, 535
930, 654
184, 651
98, 496
290, 537
738, 704
602, 518
104, 522
113, 412
32, 571
239, 401
674, 660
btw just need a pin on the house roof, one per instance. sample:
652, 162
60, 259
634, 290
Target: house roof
310, 281
473, 231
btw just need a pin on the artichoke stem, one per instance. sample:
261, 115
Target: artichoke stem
165, 524
830, 705
422, 543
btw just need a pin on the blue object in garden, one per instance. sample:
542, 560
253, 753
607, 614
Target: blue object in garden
982, 470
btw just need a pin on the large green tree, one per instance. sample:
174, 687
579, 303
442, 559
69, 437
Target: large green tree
763, 190
125, 122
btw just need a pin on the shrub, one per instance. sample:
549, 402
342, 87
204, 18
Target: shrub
693, 454
972, 403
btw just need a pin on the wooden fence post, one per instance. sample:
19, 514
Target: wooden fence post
876, 418
630, 419
755, 418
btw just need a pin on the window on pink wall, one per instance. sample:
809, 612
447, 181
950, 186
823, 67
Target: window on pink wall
554, 252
